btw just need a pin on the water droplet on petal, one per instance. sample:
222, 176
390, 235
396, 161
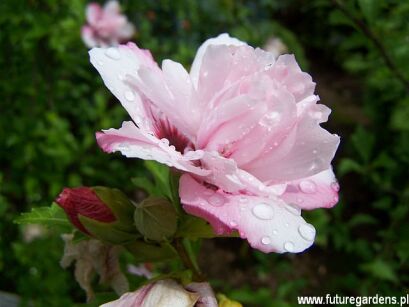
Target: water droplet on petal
165, 141
307, 231
129, 95
293, 209
263, 211
233, 224
335, 186
275, 232
113, 53
270, 119
289, 246
265, 240
315, 151
243, 199
308, 186
216, 200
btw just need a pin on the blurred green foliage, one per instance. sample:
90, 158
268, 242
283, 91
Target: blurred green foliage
53, 101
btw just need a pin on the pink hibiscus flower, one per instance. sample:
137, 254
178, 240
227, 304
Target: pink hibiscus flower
244, 128
105, 26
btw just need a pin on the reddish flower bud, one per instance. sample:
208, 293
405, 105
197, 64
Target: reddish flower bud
84, 201
100, 212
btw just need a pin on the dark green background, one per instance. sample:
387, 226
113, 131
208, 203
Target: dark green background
52, 102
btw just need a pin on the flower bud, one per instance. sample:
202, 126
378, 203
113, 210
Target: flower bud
155, 294
100, 212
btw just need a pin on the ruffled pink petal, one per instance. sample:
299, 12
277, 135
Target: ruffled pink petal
272, 127
172, 93
116, 65
222, 39
112, 7
307, 150
229, 122
225, 174
267, 223
287, 71
320, 190
93, 13
88, 37
133, 142
125, 32
225, 65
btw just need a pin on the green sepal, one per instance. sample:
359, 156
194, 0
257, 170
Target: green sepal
120, 205
156, 219
108, 232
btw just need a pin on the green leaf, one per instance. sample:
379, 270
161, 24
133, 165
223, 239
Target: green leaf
363, 142
348, 165
156, 218
369, 8
360, 219
48, 216
381, 269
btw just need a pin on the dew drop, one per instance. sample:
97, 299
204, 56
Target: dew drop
293, 209
308, 186
289, 246
113, 53
335, 186
233, 224
275, 232
270, 119
129, 95
165, 141
243, 199
265, 240
216, 200
307, 231
263, 212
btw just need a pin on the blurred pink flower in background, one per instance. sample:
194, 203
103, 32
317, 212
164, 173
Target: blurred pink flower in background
243, 126
106, 26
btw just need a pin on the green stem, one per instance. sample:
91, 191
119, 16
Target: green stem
187, 260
